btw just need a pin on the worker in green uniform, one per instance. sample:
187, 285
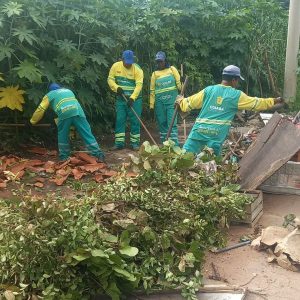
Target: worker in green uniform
164, 87
219, 103
126, 77
69, 113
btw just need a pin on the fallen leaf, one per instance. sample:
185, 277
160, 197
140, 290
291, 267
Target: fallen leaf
92, 167
49, 166
20, 174
76, 162
3, 185
99, 178
40, 179
60, 180
39, 184
109, 173
18, 167
131, 174
35, 169
34, 162
77, 173
61, 164
85, 157
63, 172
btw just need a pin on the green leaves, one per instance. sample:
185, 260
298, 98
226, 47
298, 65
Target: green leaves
167, 157
129, 251
25, 34
5, 51
12, 8
28, 70
66, 46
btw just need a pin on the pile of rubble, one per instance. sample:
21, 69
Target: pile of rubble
282, 245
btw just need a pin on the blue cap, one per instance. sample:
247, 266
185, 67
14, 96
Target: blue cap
128, 57
54, 86
160, 55
233, 71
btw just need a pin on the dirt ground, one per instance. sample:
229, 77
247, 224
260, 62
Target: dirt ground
249, 268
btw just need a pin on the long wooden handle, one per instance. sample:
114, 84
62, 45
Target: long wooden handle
141, 122
176, 108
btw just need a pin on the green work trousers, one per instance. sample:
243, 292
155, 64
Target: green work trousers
122, 112
83, 128
164, 110
196, 146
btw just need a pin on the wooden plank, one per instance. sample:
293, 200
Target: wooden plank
248, 158
270, 154
257, 198
250, 217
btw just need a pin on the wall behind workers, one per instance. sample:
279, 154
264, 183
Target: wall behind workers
75, 42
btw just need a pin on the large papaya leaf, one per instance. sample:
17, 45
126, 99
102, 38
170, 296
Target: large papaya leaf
5, 51
37, 18
25, 34
12, 98
99, 59
12, 8
66, 45
27, 69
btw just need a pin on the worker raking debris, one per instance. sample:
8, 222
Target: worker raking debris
69, 113
219, 104
164, 87
126, 78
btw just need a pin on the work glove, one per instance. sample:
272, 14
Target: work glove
130, 102
279, 100
120, 91
178, 100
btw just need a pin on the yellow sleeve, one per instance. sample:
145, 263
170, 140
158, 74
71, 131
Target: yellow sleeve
254, 103
177, 77
152, 90
139, 77
192, 102
111, 79
39, 113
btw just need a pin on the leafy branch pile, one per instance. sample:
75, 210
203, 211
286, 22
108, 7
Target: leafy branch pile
144, 233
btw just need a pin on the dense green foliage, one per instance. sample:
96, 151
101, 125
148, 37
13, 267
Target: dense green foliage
75, 42
149, 232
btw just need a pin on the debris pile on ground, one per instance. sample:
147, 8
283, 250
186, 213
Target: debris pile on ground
282, 245
14, 168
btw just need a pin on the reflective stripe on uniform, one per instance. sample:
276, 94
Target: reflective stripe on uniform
72, 99
212, 121
165, 90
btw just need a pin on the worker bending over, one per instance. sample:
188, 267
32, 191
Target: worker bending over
164, 87
70, 113
219, 104
126, 78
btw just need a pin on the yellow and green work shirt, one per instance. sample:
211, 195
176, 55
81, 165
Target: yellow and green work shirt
219, 104
62, 101
130, 80
163, 81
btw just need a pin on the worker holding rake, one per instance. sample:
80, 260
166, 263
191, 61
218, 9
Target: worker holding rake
164, 87
69, 113
219, 104
126, 79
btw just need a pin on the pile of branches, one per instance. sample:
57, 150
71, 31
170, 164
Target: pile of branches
144, 233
